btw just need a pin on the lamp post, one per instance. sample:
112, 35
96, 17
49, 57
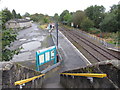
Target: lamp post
57, 34
56, 24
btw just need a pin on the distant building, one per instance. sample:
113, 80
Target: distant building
28, 18
18, 23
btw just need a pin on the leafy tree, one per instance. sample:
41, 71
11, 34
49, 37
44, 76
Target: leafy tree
14, 14
8, 36
27, 14
0, 36
63, 14
6, 15
56, 17
46, 19
87, 24
114, 8
35, 17
118, 17
111, 21
40, 18
68, 18
0, 20
19, 16
96, 14
78, 18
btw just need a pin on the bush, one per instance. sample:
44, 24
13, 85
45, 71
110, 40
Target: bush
109, 23
87, 24
94, 30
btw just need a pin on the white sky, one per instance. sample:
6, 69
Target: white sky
51, 7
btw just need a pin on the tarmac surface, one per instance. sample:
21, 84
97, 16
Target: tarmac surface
30, 40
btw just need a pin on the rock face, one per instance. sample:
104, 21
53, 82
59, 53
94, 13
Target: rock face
111, 68
12, 72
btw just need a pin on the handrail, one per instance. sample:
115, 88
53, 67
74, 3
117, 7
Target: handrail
86, 74
27, 80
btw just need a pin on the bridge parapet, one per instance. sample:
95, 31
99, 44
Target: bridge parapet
111, 68
12, 72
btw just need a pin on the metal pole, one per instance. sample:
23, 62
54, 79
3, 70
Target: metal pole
57, 33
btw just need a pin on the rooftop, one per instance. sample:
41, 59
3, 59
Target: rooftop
18, 20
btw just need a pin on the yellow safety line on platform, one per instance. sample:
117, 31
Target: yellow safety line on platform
86, 74
27, 80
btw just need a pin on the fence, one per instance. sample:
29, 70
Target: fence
101, 40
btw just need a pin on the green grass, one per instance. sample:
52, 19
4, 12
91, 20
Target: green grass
44, 26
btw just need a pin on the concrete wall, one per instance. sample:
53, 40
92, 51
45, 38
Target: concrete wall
12, 25
12, 72
16, 25
111, 68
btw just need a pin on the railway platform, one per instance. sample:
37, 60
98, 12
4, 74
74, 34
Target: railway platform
72, 59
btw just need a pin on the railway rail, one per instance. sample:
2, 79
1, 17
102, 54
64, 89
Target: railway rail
96, 52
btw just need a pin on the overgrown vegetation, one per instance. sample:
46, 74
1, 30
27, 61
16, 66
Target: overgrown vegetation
40, 18
94, 20
43, 27
8, 35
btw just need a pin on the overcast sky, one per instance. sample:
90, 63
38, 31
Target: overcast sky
51, 7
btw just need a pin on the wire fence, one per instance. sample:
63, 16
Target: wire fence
102, 41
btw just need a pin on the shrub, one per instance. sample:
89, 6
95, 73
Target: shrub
87, 24
94, 30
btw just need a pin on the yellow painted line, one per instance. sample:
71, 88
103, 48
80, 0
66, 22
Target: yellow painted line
27, 80
86, 74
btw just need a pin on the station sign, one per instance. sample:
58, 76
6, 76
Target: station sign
45, 55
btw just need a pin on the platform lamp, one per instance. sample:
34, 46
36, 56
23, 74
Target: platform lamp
57, 34
56, 24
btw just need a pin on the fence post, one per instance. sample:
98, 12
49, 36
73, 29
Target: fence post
55, 57
37, 62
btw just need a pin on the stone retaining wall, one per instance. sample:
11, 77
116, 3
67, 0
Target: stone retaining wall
12, 72
111, 68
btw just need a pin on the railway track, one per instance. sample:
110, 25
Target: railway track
114, 53
96, 52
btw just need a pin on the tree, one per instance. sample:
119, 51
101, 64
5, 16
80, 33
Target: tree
6, 15
27, 14
46, 19
56, 17
96, 14
111, 22
118, 17
63, 14
40, 18
78, 18
19, 16
8, 36
0, 36
87, 24
113, 8
0, 20
67, 18
14, 14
